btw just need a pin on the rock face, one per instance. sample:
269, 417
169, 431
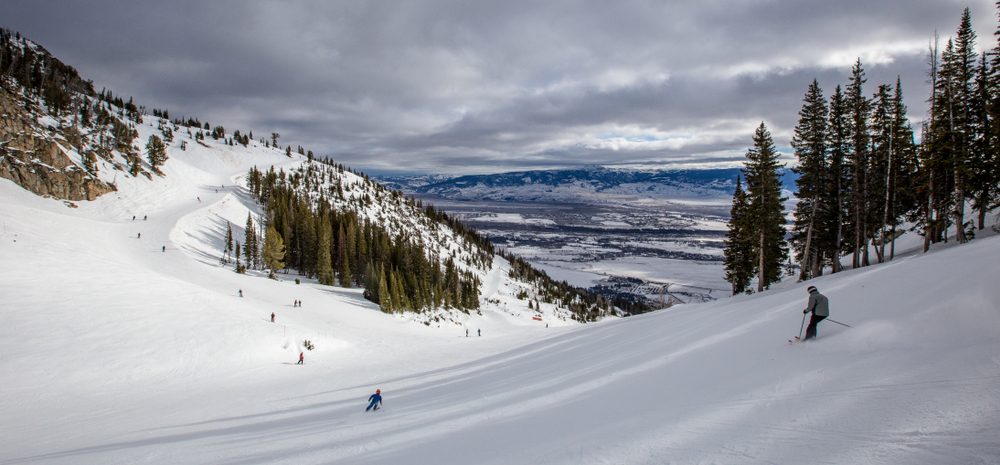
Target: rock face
36, 162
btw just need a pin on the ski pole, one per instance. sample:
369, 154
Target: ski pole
803, 325
839, 323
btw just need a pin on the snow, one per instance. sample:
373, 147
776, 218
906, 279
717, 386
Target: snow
113, 351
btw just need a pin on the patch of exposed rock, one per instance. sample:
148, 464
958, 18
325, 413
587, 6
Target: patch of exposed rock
36, 161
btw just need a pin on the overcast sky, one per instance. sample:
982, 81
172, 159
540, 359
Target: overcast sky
489, 86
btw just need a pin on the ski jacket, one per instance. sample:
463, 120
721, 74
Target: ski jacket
377, 398
818, 304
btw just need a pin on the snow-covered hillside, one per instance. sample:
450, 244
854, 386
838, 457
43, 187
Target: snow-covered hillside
117, 348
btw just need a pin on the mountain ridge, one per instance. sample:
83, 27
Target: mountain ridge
596, 183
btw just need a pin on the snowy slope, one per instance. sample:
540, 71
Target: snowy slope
114, 351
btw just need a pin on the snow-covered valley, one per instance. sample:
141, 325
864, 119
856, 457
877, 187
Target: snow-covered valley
118, 348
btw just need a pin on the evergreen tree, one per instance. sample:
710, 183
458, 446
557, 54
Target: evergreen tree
229, 244
766, 208
239, 268
902, 167
274, 251
250, 243
344, 254
739, 242
983, 183
838, 188
964, 60
858, 160
384, 298
324, 270
810, 144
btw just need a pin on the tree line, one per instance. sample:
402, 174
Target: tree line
309, 214
863, 180
318, 222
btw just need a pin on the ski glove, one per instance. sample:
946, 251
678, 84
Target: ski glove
805, 311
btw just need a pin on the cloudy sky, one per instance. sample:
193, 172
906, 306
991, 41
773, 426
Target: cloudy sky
490, 86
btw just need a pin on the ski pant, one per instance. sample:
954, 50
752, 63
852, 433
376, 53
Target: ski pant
811, 330
371, 405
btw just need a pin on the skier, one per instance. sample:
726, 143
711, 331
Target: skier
241, 292
133, 217
480, 332
302, 359
375, 399
143, 217
466, 332
164, 248
819, 305
138, 236
272, 317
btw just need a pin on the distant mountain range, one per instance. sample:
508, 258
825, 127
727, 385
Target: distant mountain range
590, 183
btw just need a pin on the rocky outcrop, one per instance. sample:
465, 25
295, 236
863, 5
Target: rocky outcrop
36, 162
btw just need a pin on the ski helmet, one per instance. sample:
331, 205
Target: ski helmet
811, 288
378, 391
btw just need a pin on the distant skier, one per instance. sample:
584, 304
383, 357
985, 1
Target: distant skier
466, 332
272, 317
479, 332
375, 399
164, 248
143, 217
241, 292
302, 358
138, 236
819, 305
133, 217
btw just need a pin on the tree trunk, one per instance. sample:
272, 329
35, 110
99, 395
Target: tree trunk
888, 189
929, 217
840, 226
892, 248
760, 273
807, 252
960, 210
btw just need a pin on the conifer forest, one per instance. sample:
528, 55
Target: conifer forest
864, 180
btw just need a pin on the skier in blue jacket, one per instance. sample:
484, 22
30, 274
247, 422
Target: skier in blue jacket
376, 400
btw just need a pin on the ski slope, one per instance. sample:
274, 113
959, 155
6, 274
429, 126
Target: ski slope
113, 350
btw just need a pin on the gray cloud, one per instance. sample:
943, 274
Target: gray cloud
493, 86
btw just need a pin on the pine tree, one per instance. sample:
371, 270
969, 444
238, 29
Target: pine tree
964, 60
881, 166
239, 268
739, 243
324, 271
344, 257
810, 144
250, 243
858, 160
229, 243
384, 298
903, 167
983, 183
766, 208
274, 251
838, 188
371, 283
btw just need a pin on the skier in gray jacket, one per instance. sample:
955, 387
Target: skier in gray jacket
819, 305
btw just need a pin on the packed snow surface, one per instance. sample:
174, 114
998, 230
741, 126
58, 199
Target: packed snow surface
116, 348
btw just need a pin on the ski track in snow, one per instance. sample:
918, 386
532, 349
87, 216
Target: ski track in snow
114, 351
